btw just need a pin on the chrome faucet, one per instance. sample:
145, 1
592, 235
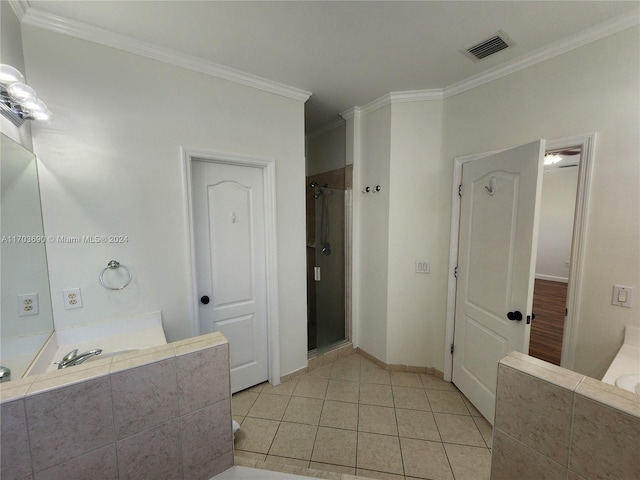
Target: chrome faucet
72, 358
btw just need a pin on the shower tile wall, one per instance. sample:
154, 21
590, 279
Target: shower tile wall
163, 412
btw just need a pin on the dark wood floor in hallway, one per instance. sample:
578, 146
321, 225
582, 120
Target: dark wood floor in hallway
549, 303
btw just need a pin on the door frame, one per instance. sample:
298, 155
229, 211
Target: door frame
587, 143
268, 167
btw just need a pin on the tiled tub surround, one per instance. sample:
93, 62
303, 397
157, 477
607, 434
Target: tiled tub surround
553, 423
164, 412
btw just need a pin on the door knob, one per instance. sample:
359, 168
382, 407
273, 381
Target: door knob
204, 300
515, 316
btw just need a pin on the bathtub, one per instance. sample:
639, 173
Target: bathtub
112, 337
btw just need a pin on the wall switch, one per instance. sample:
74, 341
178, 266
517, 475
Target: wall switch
72, 298
423, 266
622, 296
28, 304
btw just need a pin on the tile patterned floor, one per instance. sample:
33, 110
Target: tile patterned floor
353, 417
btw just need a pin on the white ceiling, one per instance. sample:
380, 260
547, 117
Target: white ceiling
346, 53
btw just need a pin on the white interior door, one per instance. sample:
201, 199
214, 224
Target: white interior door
229, 229
496, 267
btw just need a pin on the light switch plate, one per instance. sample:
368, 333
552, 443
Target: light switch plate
622, 296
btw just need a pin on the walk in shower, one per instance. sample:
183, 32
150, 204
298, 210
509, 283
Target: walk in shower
326, 257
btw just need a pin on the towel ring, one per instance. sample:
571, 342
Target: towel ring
113, 265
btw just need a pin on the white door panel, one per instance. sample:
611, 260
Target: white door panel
496, 259
228, 206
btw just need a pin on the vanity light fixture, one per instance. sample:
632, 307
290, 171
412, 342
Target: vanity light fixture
20, 102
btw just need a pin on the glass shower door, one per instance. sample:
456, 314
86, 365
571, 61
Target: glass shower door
329, 268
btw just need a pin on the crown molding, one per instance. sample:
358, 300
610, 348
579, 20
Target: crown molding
19, 7
353, 112
337, 123
610, 27
417, 95
38, 18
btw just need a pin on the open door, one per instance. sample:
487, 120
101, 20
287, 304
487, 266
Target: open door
500, 200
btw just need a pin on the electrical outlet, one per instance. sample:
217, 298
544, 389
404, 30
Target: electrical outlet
423, 266
72, 298
28, 304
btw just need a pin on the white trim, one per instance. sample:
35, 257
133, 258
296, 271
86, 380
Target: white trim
19, 7
551, 278
268, 167
569, 341
55, 23
353, 112
417, 95
587, 143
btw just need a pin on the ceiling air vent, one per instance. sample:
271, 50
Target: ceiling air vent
500, 41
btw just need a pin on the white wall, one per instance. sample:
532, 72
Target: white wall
590, 89
415, 311
372, 221
326, 151
557, 210
111, 165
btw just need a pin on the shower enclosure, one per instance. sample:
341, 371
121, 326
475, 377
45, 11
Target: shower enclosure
326, 267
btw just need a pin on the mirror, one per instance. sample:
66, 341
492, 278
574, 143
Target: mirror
27, 319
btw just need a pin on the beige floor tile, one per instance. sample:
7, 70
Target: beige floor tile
431, 382
446, 402
294, 440
335, 446
303, 410
242, 402
361, 472
460, 429
410, 398
417, 424
320, 372
343, 391
375, 375
327, 467
353, 359
406, 379
256, 388
285, 388
339, 415
296, 462
469, 463
380, 453
256, 435
311, 387
471, 407
424, 459
486, 430
374, 419
371, 394
260, 457
271, 407
346, 371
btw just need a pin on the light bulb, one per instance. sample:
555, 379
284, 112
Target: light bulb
33, 105
21, 92
9, 75
551, 159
